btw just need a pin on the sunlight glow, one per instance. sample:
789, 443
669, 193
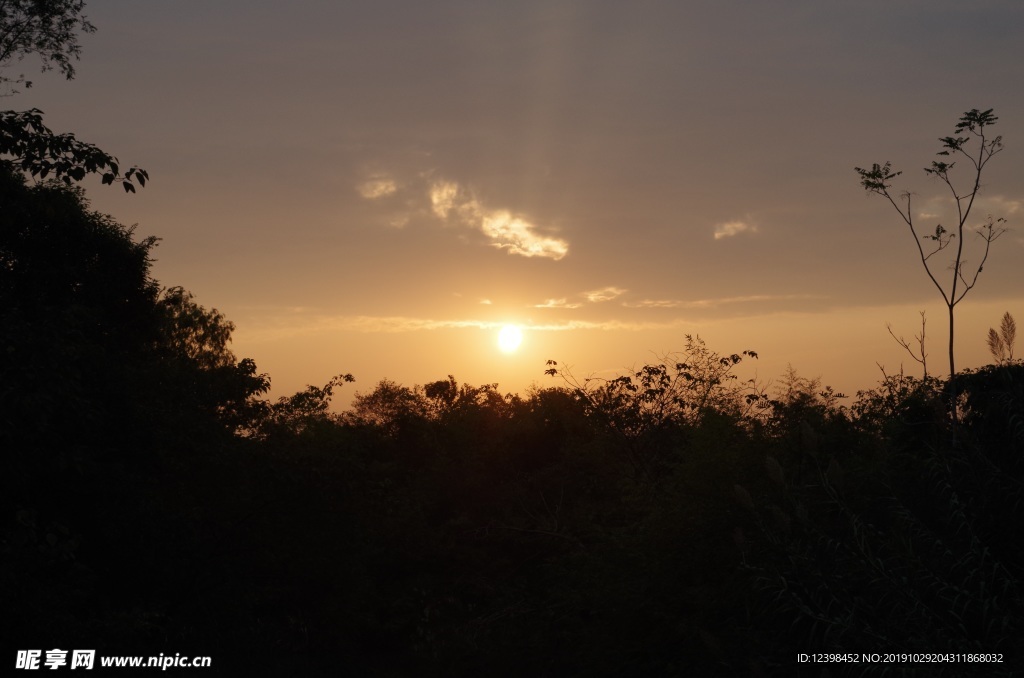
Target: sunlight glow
509, 338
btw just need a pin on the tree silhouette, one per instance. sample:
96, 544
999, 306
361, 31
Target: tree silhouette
200, 378
77, 322
33, 148
978, 148
49, 30
46, 28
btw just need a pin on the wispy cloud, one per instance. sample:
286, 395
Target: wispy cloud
999, 205
604, 294
729, 229
507, 231
943, 209
518, 237
456, 205
606, 325
556, 303
654, 303
290, 327
714, 303
444, 196
377, 187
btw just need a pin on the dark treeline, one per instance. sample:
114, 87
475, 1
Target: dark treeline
675, 521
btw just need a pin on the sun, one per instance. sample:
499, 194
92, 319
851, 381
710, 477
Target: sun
509, 338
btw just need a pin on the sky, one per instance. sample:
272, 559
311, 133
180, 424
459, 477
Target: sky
377, 188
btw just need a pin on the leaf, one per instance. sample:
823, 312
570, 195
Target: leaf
129, 187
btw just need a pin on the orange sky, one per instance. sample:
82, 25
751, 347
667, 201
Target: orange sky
376, 188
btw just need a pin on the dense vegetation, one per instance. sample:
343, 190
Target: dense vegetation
673, 521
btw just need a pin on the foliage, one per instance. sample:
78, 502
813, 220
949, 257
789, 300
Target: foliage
993, 404
450, 401
643, 408
890, 551
84, 327
902, 409
77, 325
198, 372
193, 333
800, 405
296, 414
389, 407
33, 148
77, 305
45, 28
48, 29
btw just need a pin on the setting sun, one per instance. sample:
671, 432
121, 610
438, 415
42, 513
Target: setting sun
509, 338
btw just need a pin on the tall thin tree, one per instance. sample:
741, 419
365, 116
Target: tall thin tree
974, 142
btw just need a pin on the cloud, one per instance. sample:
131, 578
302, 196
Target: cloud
606, 325
729, 229
518, 237
943, 209
443, 197
449, 201
377, 187
654, 303
456, 205
604, 294
999, 205
714, 303
486, 302
556, 303
288, 326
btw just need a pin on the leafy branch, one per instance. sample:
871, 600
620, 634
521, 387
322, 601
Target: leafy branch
35, 149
